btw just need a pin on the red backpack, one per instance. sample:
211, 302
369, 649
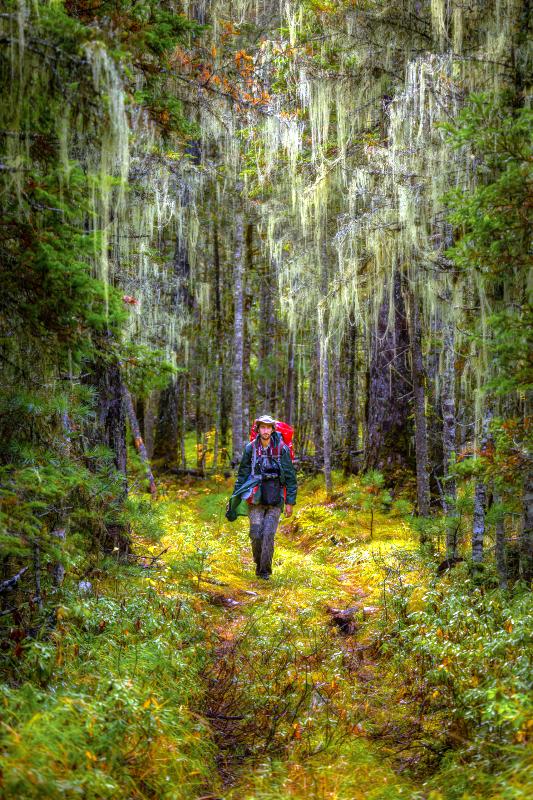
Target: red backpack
286, 432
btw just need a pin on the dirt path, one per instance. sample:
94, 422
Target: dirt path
293, 673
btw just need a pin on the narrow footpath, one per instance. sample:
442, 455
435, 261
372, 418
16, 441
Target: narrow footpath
292, 680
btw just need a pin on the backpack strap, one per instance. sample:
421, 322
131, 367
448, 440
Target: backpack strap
254, 456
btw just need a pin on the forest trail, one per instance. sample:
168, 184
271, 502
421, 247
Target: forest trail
291, 680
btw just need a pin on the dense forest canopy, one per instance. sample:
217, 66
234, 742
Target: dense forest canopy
319, 209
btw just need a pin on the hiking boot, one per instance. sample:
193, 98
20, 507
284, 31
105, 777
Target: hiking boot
263, 575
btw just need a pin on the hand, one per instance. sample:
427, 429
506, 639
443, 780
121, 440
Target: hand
288, 509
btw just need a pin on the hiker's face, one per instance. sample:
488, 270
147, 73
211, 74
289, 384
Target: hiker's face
265, 431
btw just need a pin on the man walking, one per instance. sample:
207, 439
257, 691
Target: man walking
267, 480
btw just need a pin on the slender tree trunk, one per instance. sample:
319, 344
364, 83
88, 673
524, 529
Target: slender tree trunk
139, 444
480, 500
388, 432
316, 411
324, 373
500, 545
351, 441
246, 412
238, 342
59, 568
37, 574
149, 423
140, 412
264, 347
326, 434
526, 536
219, 337
340, 420
166, 433
478, 529
448, 438
247, 345
290, 385
218, 415
419, 398
273, 346
183, 421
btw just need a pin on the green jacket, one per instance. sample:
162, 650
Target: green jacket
246, 482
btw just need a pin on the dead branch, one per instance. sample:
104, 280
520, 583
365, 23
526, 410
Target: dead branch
9, 585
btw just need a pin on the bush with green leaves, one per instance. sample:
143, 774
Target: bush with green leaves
462, 653
107, 704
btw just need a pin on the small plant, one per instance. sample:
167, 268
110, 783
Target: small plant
371, 496
197, 565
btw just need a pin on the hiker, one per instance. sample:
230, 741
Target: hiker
267, 481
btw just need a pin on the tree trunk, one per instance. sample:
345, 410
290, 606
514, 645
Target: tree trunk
326, 434
388, 429
448, 437
419, 398
526, 536
218, 415
139, 444
324, 376
166, 432
247, 345
110, 430
500, 546
265, 345
290, 385
316, 411
339, 391
183, 421
351, 441
238, 342
480, 499
219, 346
478, 528
149, 422
140, 412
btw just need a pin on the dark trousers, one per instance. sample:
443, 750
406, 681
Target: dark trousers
263, 526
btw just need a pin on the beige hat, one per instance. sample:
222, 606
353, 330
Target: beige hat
266, 420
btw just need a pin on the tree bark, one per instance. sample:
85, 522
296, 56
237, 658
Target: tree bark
388, 429
419, 399
166, 433
290, 384
351, 442
238, 342
500, 546
448, 437
326, 433
315, 411
138, 440
478, 528
218, 415
149, 423
480, 500
526, 535
324, 375
110, 430
265, 346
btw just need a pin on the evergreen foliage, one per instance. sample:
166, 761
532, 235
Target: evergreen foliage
320, 210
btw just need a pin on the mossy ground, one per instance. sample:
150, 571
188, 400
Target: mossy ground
289, 692
187, 677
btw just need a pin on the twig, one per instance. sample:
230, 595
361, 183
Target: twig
10, 584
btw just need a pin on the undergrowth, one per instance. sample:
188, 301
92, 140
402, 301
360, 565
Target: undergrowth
181, 675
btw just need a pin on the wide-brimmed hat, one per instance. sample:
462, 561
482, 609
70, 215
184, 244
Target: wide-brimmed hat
266, 420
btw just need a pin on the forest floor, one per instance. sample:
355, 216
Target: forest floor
294, 690
182, 676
